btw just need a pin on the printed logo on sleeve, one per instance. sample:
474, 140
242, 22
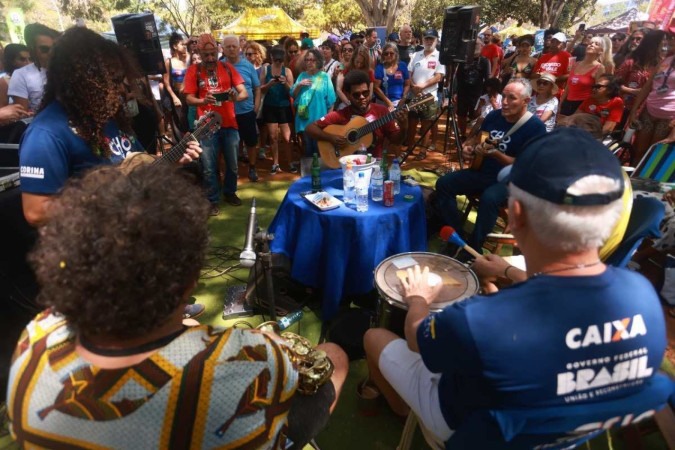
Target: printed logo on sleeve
33, 172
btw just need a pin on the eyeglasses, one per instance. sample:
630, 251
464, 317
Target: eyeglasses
207, 54
249, 54
388, 53
362, 94
598, 86
44, 48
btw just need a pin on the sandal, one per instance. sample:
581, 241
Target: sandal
368, 395
421, 155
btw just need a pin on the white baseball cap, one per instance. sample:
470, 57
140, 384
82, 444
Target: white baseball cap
560, 37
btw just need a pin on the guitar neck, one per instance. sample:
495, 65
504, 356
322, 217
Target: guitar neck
374, 125
177, 151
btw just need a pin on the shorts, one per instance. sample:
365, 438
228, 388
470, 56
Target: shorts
429, 112
277, 114
309, 414
649, 123
248, 131
417, 386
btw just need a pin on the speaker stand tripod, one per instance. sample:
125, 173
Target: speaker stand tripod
451, 124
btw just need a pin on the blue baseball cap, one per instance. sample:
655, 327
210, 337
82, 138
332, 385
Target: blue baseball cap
550, 164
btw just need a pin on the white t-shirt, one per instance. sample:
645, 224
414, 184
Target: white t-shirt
28, 82
539, 109
422, 68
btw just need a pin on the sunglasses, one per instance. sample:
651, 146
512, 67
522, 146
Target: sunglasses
249, 54
388, 54
277, 59
364, 94
638, 39
543, 82
310, 60
44, 48
617, 39
348, 50
292, 52
598, 86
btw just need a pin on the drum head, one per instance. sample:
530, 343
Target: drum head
459, 282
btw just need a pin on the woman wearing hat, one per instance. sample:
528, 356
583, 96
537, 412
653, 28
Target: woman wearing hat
544, 103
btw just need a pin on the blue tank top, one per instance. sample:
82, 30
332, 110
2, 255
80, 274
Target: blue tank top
176, 75
277, 94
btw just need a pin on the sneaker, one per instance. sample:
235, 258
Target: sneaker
215, 210
294, 168
262, 153
275, 169
232, 199
193, 310
252, 174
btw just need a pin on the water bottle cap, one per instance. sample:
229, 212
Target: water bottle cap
395, 160
349, 165
361, 174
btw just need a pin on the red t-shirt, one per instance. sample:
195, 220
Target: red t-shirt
558, 64
374, 112
221, 84
492, 51
610, 111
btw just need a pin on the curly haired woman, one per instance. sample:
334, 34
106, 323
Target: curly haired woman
81, 121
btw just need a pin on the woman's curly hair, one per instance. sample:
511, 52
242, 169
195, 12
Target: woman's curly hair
119, 251
86, 72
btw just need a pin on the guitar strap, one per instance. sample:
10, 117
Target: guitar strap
525, 117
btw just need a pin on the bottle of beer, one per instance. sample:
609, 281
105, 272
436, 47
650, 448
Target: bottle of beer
316, 173
384, 166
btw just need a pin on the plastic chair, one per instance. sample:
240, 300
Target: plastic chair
657, 164
644, 221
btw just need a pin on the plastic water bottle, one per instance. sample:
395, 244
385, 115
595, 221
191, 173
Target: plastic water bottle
348, 185
384, 166
361, 193
316, 173
377, 184
289, 319
395, 176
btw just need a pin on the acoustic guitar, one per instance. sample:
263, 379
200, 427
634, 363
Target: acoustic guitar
485, 142
358, 131
205, 127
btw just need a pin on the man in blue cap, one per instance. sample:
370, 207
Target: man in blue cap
558, 358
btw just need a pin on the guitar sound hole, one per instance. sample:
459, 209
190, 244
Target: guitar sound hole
352, 137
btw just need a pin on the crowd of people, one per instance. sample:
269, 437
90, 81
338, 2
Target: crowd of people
112, 362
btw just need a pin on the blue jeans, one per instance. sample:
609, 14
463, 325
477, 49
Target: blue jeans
227, 141
493, 195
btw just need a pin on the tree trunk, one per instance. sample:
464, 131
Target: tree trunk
378, 14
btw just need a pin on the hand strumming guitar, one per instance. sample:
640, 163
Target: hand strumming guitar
337, 140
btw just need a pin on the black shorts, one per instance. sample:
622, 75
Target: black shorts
248, 131
309, 414
277, 114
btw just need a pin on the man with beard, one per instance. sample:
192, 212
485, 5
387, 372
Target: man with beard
202, 83
357, 87
426, 71
405, 46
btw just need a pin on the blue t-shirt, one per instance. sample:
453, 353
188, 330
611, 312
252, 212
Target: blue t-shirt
547, 342
251, 81
51, 152
392, 85
512, 145
319, 98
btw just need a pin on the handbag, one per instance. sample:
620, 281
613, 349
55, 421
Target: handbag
303, 110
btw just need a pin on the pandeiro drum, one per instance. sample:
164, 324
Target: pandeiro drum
459, 282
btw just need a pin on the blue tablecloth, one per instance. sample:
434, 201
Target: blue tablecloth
338, 250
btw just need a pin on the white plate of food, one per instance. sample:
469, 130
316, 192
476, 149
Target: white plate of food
322, 200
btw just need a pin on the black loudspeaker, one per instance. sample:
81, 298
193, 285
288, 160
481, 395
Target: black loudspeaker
460, 27
138, 33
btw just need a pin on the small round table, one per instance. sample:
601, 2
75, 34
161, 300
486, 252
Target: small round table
338, 250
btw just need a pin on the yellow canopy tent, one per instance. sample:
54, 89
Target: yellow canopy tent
259, 24
514, 29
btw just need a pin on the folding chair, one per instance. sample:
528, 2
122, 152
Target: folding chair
657, 164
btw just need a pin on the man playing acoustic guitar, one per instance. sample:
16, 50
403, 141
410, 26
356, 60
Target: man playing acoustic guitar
357, 87
507, 130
